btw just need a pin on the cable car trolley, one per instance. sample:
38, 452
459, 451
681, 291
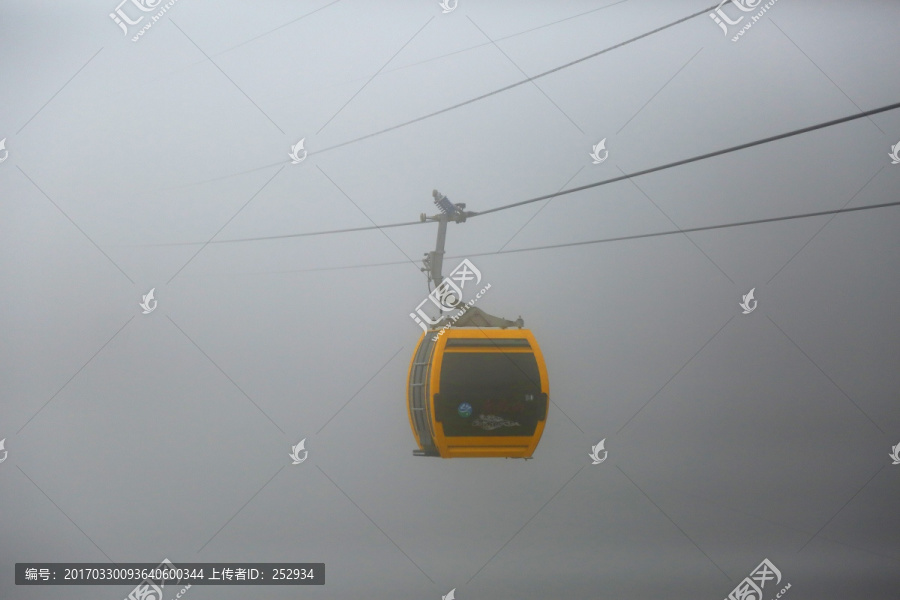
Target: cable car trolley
477, 387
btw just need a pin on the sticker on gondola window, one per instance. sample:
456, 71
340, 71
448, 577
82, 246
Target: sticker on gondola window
464, 409
492, 422
506, 407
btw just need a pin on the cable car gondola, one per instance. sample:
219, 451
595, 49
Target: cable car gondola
477, 392
477, 388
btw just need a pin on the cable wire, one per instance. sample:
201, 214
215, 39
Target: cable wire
518, 83
656, 169
476, 99
292, 235
622, 238
685, 161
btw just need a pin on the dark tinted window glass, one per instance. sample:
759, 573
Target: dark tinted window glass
489, 394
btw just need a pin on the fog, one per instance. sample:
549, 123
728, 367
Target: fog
731, 437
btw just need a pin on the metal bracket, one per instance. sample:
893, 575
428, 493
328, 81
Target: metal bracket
433, 264
475, 317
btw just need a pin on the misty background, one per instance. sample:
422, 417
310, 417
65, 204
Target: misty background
731, 437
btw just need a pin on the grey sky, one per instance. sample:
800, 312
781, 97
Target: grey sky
732, 438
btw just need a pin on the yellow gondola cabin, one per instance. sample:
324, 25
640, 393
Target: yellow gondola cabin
477, 392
